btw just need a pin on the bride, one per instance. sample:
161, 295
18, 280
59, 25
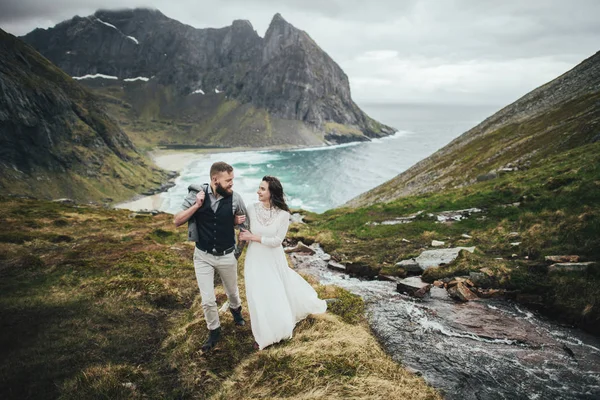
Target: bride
277, 296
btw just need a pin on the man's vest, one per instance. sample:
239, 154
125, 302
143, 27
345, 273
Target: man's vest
215, 229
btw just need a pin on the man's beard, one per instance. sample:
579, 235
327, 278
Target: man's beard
222, 191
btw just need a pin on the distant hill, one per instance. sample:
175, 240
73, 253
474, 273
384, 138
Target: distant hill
556, 117
225, 87
55, 138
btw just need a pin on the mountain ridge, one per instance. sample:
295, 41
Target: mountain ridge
285, 76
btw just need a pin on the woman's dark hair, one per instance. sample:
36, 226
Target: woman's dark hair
276, 190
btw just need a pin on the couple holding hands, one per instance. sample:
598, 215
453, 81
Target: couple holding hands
277, 296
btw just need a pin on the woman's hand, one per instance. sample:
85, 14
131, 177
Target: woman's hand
239, 219
247, 236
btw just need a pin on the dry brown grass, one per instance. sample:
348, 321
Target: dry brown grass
326, 359
101, 305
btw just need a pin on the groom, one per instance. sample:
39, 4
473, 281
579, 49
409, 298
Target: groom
211, 211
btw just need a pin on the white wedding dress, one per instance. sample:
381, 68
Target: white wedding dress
277, 296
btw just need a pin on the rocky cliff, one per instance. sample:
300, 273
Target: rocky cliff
55, 138
280, 89
556, 117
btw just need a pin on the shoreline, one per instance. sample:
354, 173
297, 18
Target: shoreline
177, 159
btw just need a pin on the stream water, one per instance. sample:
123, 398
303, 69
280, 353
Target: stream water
485, 349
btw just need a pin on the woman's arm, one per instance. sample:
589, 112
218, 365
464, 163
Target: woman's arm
283, 223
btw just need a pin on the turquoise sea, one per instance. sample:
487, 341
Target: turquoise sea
322, 178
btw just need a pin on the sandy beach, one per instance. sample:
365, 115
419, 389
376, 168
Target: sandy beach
177, 160
170, 160
145, 203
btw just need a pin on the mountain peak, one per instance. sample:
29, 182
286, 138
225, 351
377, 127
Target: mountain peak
279, 21
277, 17
123, 15
242, 24
129, 11
280, 27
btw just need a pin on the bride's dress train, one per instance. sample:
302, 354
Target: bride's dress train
277, 296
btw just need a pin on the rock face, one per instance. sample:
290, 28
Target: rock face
56, 140
558, 116
285, 73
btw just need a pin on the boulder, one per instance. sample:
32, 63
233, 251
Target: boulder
461, 292
325, 257
437, 243
434, 258
387, 278
410, 265
481, 279
413, 286
562, 259
570, 267
457, 279
489, 293
64, 201
362, 270
486, 177
422, 292
456, 215
300, 248
336, 266
296, 218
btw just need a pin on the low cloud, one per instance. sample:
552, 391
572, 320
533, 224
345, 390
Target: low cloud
465, 51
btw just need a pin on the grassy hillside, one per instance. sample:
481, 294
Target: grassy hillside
551, 208
558, 116
101, 304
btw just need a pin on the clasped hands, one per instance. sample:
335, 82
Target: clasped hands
245, 235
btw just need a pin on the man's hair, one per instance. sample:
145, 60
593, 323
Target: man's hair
220, 166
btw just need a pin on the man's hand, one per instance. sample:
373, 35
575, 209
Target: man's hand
183, 216
239, 219
200, 198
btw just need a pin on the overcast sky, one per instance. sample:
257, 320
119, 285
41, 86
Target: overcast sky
445, 51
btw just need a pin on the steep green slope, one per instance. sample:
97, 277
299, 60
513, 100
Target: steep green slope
56, 139
554, 118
